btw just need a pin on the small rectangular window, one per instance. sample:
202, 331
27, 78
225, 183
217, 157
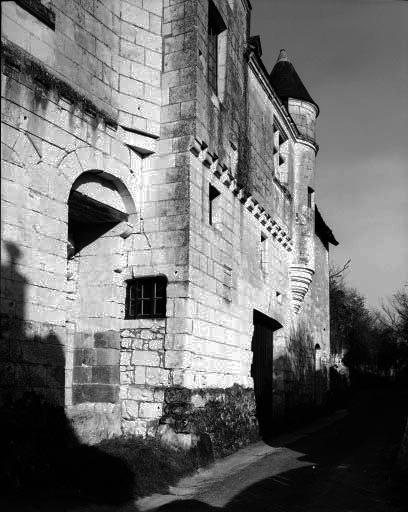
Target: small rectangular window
214, 207
310, 193
146, 298
215, 27
263, 254
279, 139
227, 285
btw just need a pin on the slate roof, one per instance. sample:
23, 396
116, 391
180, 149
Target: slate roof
287, 83
322, 230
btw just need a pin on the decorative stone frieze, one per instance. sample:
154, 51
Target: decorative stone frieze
210, 160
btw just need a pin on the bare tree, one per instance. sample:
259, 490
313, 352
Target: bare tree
394, 314
338, 272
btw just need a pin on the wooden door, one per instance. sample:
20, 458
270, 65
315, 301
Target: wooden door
262, 372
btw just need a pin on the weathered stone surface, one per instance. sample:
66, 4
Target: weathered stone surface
107, 339
144, 66
95, 393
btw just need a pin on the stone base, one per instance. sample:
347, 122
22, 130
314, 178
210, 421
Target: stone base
219, 421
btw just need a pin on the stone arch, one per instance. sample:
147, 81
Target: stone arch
88, 159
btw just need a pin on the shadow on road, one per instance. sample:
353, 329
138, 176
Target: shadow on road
350, 467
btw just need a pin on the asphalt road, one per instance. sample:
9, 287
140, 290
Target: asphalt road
345, 467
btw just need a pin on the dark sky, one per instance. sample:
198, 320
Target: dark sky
352, 55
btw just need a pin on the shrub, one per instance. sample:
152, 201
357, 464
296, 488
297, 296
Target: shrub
229, 420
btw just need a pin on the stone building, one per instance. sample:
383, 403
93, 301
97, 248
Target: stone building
161, 244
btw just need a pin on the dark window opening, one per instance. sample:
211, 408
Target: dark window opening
263, 253
310, 193
280, 137
214, 205
215, 27
318, 357
146, 298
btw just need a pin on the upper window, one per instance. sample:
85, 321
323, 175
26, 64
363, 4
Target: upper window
318, 357
310, 197
263, 254
279, 151
214, 206
216, 25
146, 298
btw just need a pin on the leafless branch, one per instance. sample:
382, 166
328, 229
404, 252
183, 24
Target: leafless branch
337, 272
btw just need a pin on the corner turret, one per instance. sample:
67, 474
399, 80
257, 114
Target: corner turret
291, 90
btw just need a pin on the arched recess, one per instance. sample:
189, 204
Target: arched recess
96, 205
125, 175
100, 210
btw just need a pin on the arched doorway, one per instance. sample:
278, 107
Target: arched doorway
262, 369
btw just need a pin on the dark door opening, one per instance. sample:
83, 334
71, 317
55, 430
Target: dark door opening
262, 369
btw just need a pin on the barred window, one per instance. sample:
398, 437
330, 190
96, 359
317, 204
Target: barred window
146, 297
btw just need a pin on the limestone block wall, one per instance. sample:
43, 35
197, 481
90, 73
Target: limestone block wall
263, 173
64, 90
219, 117
230, 272
227, 282
226, 278
110, 51
119, 90
82, 50
47, 143
139, 64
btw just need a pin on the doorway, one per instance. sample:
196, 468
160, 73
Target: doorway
262, 369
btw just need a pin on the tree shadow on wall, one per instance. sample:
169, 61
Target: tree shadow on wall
42, 460
294, 403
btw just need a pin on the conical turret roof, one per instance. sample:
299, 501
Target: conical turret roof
287, 83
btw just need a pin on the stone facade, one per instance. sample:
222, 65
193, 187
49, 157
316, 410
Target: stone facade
110, 101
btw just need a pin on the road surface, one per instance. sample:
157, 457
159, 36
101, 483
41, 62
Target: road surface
345, 467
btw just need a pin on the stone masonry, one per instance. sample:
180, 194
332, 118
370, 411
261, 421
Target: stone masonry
129, 156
